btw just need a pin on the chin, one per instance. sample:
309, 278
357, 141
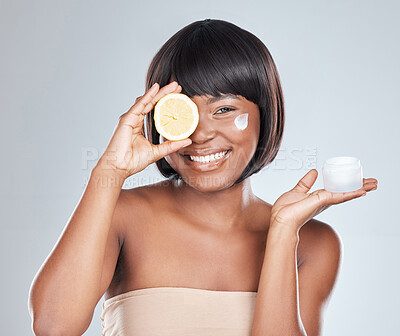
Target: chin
205, 180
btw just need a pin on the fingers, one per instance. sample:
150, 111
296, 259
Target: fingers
145, 103
123, 115
335, 198
328, 198
346, 196
168, 147
141, 102
370, 184
307, 181
370, 180
172, 87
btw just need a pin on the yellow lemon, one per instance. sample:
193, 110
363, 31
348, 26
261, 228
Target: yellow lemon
176, 116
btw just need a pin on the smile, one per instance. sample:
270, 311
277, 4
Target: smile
208, 158
205, 163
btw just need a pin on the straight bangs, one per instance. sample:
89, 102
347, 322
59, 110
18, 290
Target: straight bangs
214, 62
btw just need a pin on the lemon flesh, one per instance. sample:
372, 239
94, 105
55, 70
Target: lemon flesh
176, 116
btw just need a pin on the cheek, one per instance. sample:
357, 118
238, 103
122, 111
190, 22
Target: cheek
247, 130
244, 131
246, 125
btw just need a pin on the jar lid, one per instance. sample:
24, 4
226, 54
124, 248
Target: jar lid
341, 163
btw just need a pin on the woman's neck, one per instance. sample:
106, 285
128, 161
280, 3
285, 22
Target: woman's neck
224, 209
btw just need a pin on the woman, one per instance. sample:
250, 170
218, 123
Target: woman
198, 253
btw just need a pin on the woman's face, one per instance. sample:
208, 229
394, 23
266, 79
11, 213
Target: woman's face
228, 125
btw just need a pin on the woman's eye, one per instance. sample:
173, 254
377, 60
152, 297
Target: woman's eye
224, 110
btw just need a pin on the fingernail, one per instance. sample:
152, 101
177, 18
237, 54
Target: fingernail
187, 144
153, 85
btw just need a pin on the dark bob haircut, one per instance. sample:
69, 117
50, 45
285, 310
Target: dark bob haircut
215, 57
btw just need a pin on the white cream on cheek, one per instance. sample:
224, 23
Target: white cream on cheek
241, 121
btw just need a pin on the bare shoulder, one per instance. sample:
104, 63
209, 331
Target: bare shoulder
135, 205
319, 240
143, 195
315, 228
141, 199
147, 194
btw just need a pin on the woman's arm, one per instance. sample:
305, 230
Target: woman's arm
278, 304
66, 289
68, 286
293, 296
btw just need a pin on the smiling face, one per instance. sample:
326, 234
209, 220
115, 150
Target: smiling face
222, 145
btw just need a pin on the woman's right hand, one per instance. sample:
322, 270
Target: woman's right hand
129, 152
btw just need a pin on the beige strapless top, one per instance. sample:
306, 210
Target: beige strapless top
178, 311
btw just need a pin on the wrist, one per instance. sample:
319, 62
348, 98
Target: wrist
283, 230
105, 177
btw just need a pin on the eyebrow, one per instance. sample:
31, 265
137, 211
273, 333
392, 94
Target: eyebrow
224, 96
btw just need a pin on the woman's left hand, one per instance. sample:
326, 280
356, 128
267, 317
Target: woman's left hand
294, 208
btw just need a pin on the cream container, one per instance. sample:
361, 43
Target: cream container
342, 174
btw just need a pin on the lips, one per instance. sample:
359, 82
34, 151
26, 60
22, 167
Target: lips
206, 166
203, 152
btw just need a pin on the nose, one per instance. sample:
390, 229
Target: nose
205, 129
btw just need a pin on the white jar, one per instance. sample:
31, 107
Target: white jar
342, 174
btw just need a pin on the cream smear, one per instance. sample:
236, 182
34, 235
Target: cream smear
241, 121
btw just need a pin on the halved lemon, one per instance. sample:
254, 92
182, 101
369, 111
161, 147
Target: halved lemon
176, 116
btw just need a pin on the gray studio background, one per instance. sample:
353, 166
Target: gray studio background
69, 69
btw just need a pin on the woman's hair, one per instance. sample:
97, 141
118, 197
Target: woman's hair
215, 57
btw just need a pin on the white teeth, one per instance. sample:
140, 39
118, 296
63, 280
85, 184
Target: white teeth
208, 158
